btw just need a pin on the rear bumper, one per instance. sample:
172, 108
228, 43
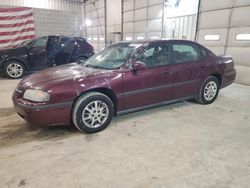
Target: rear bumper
55, 114
228, 78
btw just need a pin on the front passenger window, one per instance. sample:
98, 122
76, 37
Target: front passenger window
155, 56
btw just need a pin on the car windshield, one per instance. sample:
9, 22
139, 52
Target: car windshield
112, 57
24, 43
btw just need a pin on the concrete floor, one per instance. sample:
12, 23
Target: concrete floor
179, 145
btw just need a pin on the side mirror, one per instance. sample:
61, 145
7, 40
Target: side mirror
138, 65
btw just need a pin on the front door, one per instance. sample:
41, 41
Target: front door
152, 84
37, 55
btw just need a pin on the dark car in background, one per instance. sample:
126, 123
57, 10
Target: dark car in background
122, 78
41, 53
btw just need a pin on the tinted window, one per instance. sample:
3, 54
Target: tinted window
66, 41
155, 56
40, 42
53, 41
185, 53
81, 42
67, 44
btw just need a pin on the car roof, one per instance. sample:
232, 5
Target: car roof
151, 41
79, 38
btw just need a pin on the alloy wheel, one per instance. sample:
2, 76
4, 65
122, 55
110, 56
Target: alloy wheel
95, 114
210, 90
14, 70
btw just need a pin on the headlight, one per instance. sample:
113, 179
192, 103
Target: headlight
36, 95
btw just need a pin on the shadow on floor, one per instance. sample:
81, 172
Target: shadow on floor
14, 130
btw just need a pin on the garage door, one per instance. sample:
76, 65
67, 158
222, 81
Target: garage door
95, 23
142, 19
224, 27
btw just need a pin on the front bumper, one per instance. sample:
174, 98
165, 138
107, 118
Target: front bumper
51, 114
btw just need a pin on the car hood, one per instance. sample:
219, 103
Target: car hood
64, 72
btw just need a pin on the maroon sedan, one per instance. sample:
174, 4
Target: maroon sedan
122, 78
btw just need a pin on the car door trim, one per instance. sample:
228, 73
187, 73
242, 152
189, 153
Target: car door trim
153, 105
140, 91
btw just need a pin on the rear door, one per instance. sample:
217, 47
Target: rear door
65, 51
189, 69
154, 83
83, 49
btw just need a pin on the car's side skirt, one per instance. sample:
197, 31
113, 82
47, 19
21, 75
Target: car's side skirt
153, 105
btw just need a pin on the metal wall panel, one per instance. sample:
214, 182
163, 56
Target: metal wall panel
217, 49
207, 5
240, 17
214, 19
241, 54
154, 2
141, 14
142, 19
243, 75
228, 19
128, 27
140, 4
128, 5
95, 12
73, 6
140, 27
181, 27
241, 3
155, 25
154, 35
155, 12
232, 37
128, 16
222, 32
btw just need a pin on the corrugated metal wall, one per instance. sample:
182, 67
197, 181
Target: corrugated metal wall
70, 5
142, 19
224, 27
181, 27
96, 30
59, 17
180, 17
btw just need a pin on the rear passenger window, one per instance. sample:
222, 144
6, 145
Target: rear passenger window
66, 41
185, 53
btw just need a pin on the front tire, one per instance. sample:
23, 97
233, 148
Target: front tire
209, 91
14, 69
92, 112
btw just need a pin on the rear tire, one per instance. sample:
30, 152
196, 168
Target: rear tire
209, 91
92, 112
14, 69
